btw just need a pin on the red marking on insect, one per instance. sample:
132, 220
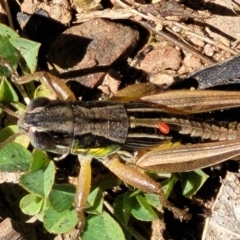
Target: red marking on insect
163, 127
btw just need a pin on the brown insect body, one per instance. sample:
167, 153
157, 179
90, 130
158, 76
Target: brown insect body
101, 129
70, 127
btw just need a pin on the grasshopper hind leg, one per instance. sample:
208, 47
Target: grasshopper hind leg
144, 183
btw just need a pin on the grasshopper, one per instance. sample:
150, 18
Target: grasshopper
136, 118
105, 129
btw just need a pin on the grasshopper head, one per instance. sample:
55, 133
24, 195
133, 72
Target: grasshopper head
49, 125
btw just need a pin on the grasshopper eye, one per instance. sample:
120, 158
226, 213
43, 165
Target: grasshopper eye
38, 103
41, 140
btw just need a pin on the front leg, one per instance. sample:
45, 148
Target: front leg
56, 85
82, 192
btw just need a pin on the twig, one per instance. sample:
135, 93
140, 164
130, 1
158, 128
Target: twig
10, 139
208, 40
10, 112
178, 43
189, 31
130, 13
10, 21
108, 13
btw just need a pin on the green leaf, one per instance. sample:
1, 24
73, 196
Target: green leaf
122, 206
7, 31
31, 204
44, 91
168, 184
40, 216
8, 131
102, 227
14, 157
30, 89
39, 182
22, 140
153, 200
21, 108
8, 52
39, 160
29, 52
7, 92
142, 210
62, 197
45, 206
192, 181
12, 46
60, 222
95, 202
